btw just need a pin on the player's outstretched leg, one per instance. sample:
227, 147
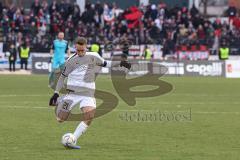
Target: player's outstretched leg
88, 112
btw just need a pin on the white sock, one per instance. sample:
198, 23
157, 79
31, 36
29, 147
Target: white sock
81, 128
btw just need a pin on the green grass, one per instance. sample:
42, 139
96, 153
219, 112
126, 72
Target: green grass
29, 130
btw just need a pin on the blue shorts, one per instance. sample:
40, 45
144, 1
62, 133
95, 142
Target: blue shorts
58, 62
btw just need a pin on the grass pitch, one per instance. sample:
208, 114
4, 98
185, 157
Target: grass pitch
205, 127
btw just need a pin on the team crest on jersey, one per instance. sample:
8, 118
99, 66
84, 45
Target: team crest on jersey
82, 67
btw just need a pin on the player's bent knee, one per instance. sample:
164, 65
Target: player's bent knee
62, 116
63, 110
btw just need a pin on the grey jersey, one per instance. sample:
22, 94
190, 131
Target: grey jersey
80, 72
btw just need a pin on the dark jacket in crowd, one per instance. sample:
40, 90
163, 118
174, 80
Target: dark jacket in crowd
13, 54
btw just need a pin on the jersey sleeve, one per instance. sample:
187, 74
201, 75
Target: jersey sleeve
99, 61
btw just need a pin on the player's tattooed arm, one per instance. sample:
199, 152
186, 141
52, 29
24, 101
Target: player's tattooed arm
69, 67
60, 83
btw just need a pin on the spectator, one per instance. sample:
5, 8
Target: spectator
33, 29
224, 51
36, 7
12, 57
63, 10
88, 15
231, 11
154, 12
99, 8
44, 6
53, 7
1, 10
194, 11
76, 14
42, 29
201, 34
24, 53
168, 46
147, 53
154, 32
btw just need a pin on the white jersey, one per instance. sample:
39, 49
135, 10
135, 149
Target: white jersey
80, 71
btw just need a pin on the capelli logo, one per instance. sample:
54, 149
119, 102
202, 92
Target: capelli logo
43, 66
205, 69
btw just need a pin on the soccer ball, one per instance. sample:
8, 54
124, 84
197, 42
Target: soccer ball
69, 139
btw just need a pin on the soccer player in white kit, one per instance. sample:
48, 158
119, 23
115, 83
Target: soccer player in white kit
80, 73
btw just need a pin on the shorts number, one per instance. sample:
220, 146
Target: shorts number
65, 106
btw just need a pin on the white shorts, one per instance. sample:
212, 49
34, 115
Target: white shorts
70, 100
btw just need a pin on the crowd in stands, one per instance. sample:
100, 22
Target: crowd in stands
152, 24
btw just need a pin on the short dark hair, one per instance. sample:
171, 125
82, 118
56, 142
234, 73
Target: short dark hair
81, 40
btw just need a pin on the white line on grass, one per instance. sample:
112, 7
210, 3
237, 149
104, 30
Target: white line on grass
24, 107
171, 94
159, 103
26, 95
124, 110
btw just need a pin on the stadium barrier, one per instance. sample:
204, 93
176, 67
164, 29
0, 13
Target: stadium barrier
42, 65
232, 68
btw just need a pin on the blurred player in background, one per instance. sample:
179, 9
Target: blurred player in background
58, 51
80, 73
